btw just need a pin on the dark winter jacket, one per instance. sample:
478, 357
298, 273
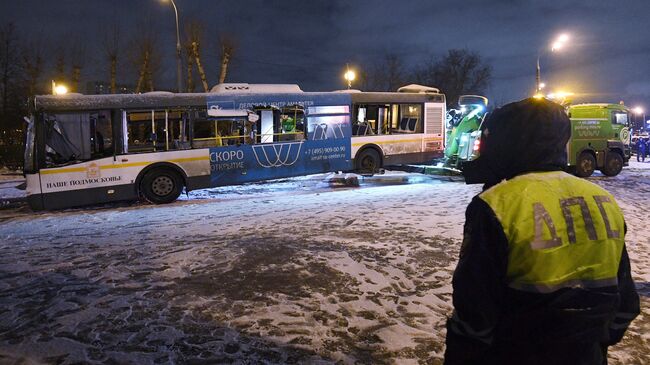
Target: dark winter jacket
496, 324
641, 145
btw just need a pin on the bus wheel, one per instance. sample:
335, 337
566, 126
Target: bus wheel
161, 186
585, 165
368, 161
613, 164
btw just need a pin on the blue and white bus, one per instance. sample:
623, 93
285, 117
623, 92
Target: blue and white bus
89, 149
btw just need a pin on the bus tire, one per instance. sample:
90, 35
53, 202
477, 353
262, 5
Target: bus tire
613, 164
585, 165
161, 186
368, 161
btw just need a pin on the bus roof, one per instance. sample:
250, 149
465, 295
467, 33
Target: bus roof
401, 97
135, 101
158, 99
116, 101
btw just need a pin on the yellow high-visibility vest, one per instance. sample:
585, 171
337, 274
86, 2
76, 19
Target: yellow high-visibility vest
562, 231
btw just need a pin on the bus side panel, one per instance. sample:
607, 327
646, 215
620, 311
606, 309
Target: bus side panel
114, 179
85, 183
246, 163
67, 199
326, 148
395, 149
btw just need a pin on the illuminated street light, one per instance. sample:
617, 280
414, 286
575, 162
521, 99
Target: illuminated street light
178, 47
563, 38
350, 76
542, 85
638, 110
58, 89
557, 45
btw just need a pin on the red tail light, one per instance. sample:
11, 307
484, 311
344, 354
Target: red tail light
477, 143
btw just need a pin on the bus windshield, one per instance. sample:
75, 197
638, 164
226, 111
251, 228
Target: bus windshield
28, 166
73, 137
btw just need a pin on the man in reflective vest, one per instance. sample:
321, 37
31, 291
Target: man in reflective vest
543, 275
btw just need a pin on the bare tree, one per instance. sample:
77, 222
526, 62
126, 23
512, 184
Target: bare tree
111, 45
33, 62
190, 66
12, 96
386, 75
227, 45
9, 65
199, 66
59, 67
459, 72
145, 57
193, 49
78, 60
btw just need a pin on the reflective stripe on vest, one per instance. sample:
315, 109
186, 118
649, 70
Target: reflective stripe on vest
562, 231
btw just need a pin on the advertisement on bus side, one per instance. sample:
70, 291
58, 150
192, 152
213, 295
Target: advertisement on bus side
238, 164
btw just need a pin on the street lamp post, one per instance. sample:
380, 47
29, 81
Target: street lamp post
557, 45
178, 49
349, 76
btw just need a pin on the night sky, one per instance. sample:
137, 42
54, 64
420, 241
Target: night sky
309, 42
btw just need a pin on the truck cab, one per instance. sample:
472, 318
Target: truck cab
464, 130
600, 139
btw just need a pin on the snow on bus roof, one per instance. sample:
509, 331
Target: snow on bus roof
255, 88
415, 88
127, 101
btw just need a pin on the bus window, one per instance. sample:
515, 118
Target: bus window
409, 120
207, 133
371, 119
67, 138
326, 127
161, 130
177, 138
101, 134
217, 132
292, 124
141, 131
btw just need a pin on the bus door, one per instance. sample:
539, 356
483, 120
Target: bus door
266, 125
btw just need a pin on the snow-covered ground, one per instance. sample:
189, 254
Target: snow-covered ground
8, 181
291, 271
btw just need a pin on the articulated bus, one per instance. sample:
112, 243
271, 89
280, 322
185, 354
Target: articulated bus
89, 149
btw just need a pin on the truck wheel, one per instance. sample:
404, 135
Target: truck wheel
613, 164
585, 165
368, 161
161, 186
